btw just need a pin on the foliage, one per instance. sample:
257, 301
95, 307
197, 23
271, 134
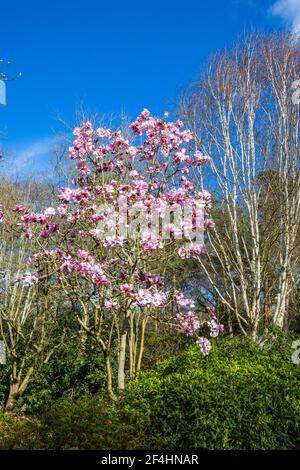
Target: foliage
239, 397
71, 373
87, 423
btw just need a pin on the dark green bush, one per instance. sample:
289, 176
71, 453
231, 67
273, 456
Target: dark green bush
69, 373
238, 397
86, 423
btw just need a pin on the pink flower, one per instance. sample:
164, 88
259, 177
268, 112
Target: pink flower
182, 301
126, 288
97, 217
65, 194
191, 251
86, 256
49, 230
150, 175
29, 234
209, 224
132, 152
111, 304
102, 133
150, 242
215, 328
186, 136
201, 159
141, 187
20, 208
204, 344
30, 279
205, 198
150, 297
111, 242
180, 156
49, 211
62, 208
197, 250
96, 232
188, 322
184, 253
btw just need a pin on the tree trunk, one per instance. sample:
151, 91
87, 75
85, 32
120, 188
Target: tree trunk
122, 356
14, 393
141, 352
111, 393
17, 386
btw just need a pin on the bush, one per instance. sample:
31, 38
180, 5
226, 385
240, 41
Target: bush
238, 397
69, 373
87, 423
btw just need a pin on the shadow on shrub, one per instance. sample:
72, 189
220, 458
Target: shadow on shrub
87, 423
238, 397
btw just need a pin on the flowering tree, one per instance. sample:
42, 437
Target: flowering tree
131, 205
30, 328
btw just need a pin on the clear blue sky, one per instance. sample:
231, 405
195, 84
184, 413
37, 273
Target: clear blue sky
109, 56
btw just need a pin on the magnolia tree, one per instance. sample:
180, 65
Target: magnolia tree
131, 205
30, 328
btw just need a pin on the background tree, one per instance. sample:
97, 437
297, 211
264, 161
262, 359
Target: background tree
242, 109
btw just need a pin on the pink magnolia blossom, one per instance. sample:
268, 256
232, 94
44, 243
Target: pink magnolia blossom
150, 242
149, 172
215, 328
183, 301
49, 211
28, 279
188, 322
20, 208
191, 251
126, 288
205, 345
29, 233
150, 297
201, 159
111, 242
209, 224
111, 304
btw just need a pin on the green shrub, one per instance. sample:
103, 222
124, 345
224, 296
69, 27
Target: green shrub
238, 397
68, 373
86, 423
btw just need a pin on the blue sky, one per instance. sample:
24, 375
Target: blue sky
110, 57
